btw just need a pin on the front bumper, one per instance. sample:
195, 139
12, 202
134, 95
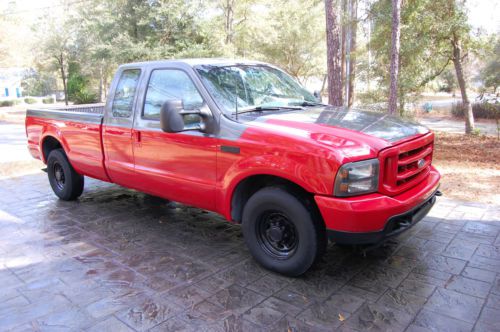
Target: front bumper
371, 218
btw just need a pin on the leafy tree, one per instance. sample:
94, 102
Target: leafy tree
458, 34
449, 81
293, 38
55, 45
427, 32
490, 74
76, 81
38, 84
4, 50
120, 31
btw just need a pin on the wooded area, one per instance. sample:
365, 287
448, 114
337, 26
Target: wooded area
382, 53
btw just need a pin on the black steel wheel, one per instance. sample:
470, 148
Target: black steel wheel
277, 234
281, 232
66, 183
59, 175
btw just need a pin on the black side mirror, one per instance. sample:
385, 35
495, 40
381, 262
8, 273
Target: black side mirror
172, 117
171, 120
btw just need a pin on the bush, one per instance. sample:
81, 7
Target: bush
84, 97
48, 100
29, 100
482, 110
6, 103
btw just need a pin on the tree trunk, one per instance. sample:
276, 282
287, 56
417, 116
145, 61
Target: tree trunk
343, 35
63, 76
393, 93
352, 58
333, 56
229, 13
457, 62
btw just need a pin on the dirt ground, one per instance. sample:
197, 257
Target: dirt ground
470, 167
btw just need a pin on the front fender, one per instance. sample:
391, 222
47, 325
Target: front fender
313, 174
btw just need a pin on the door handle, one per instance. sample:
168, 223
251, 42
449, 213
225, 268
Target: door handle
137, 137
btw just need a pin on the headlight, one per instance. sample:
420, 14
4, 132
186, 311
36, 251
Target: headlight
357, 178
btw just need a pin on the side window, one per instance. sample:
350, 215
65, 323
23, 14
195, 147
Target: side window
125, 92
168, 84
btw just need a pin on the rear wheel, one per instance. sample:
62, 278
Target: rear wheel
281, 232
66, 183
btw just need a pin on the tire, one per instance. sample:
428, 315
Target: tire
66, 183
282, 234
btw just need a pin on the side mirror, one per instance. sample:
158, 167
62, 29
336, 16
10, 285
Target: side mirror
172, 117
317, 94
171, 120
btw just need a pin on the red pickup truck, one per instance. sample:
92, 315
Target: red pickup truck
245, 140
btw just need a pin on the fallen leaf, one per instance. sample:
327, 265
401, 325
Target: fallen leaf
341, 318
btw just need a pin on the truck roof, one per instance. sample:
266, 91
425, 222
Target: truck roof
196, 62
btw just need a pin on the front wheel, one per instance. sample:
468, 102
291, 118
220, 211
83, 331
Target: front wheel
282, 234
66, 183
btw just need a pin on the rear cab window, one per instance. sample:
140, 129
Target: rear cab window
123, 101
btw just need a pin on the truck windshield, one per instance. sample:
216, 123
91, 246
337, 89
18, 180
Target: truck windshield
246, 87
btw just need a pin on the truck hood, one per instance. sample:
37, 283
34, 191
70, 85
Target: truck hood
379, 125
357, 133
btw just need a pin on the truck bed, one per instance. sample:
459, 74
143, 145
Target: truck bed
77, 127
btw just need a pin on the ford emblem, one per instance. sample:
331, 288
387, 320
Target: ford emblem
421, 163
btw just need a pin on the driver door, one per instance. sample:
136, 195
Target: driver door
177, 166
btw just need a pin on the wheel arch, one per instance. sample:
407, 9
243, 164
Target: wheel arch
251, 184
48, 144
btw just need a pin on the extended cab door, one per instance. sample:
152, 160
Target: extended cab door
177, 166
117, 127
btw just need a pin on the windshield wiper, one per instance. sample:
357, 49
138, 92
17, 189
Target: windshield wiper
266, 108
311, 103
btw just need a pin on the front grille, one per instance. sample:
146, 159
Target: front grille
406, 164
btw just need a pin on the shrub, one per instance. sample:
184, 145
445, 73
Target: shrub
458, 110
29, 100
84, 97
486, 110
482, 110
6, 103
48, 100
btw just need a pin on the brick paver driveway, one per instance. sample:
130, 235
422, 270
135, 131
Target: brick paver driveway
118, 260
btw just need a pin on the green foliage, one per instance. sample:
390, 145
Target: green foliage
144, 30
373, 97
38, 84
490, 74
476, 132
426, 30
292, 37
448, 81
48, 100
84, 97
97, 35
6, 103
29, 100
77, 83
481, 110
